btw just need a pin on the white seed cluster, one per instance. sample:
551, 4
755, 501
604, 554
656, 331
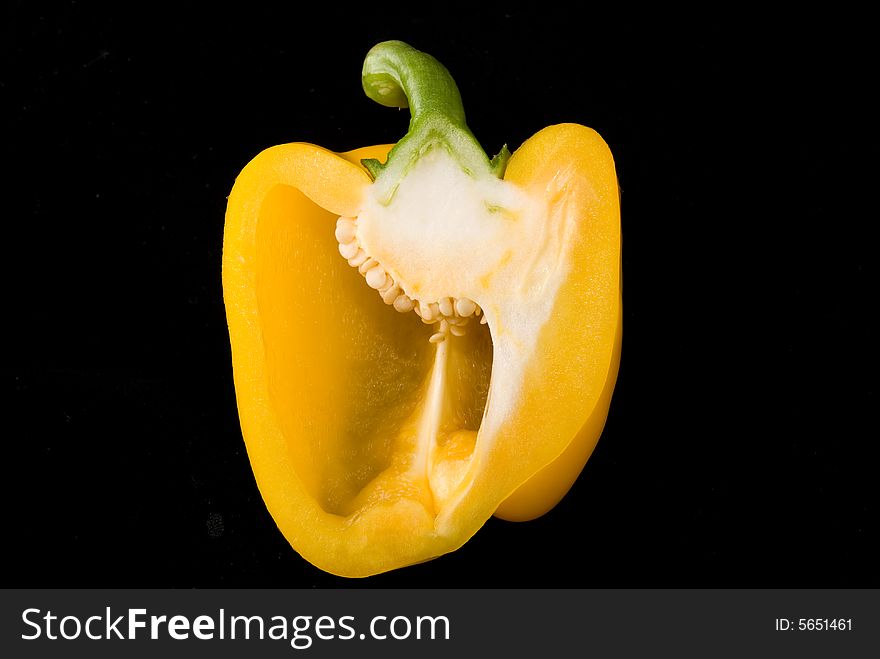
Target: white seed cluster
449, 313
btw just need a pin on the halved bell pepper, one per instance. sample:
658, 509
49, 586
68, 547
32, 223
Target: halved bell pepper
422, 337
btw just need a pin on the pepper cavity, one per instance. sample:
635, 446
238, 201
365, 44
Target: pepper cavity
449, 313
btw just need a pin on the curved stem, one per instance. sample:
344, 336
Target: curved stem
397, 75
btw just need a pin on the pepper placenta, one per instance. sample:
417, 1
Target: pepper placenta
422, 336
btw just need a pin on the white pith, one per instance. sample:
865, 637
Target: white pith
451, 247
450, 314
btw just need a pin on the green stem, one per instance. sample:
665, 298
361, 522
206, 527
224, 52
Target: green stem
397, 75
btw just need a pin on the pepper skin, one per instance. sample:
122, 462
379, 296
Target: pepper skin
373, 447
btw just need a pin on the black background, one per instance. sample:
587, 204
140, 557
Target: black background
740, 447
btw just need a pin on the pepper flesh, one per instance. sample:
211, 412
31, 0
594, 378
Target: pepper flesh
316, 361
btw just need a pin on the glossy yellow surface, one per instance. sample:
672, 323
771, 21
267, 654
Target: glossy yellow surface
333, 386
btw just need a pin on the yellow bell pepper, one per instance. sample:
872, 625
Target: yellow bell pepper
421, 337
